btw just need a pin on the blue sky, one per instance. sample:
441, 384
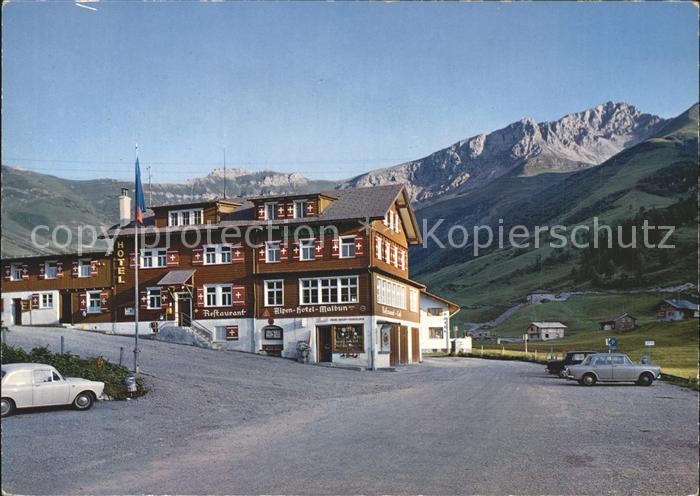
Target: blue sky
326, 89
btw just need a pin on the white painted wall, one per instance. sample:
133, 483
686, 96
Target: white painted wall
38, 316
427, 321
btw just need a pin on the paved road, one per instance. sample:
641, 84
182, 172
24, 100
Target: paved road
224, 422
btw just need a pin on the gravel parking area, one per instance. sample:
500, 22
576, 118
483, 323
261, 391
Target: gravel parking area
234, 423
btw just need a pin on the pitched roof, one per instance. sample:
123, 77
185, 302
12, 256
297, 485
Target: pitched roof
548, 325
682, 304
369, 203
176, 277
617, 317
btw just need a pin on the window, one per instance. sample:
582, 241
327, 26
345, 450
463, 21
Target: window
436, 333
274, 293
270, 210
47, 300
348, 289
185, 217
347, 247
299, 209
217, 296
413, 297
84, 268
50, 270
328, 290
226, 300
217, 254
41, 376
391, 294
272, 251
307, 249
435, 311
153, 258
94, 302
153, 300
348, 338
16, 272
309, 291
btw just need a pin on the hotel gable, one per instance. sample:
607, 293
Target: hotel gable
259, 274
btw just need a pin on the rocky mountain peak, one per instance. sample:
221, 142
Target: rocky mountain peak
578, 140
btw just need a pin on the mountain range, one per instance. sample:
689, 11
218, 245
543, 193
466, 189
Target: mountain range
576, 141
611, 161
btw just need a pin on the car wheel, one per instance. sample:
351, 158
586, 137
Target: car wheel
645, 380
562, 373
7, 407
83, 401
588, 380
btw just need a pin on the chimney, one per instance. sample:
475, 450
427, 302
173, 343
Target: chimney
124, 207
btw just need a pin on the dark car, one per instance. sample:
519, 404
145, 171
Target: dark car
558, 367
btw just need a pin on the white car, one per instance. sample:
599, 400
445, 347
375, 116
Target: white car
26, 385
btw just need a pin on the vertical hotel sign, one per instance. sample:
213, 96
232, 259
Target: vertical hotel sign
120, 263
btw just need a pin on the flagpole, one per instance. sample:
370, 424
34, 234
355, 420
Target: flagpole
137, 258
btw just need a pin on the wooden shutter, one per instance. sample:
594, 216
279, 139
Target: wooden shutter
172, 258
296, 251
198, 256
104, 301
59, 270
164, 297
42, 271
335, 247
143, 299
311, 208
393, 255
261, 253
132, 260
318, 248
93, 268
7, 273
378, 248
200, 297
359, 246
280, 210
284, 251
238, 295
35, 300
75, 270
83, 297
25, 272
237, 254
261, 212
290, 210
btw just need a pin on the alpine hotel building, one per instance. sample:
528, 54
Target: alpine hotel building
258, 275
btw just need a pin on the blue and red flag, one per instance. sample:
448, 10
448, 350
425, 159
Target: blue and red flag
140, 206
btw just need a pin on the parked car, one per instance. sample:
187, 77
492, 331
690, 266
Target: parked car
558, 367
612, 367
27, 385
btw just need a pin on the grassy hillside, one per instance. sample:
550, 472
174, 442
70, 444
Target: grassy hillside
655, 180
675, 350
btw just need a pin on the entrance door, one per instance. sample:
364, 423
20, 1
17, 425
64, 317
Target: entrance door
184, 309
17, 310
415, 345
66, 308
403, 347
394, 350
323, 344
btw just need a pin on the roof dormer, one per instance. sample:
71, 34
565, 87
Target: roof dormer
290, 206
194, 213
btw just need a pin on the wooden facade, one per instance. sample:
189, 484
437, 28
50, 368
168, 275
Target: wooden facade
340, 277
